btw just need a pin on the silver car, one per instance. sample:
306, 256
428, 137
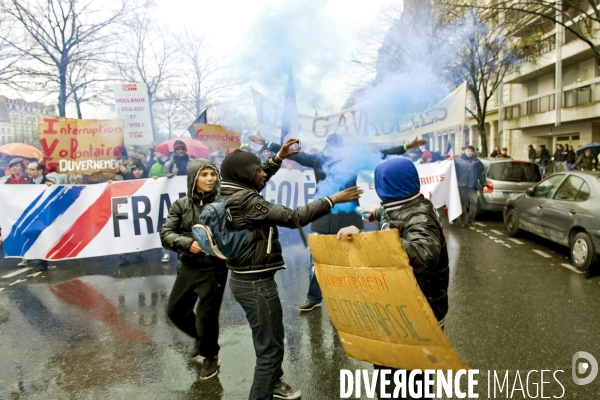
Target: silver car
505, 178
563, 208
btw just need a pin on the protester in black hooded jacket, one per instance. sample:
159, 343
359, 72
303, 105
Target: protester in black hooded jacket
253, 269
404, 208
200, 277
178, 164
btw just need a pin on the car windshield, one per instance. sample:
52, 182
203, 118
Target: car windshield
514, 171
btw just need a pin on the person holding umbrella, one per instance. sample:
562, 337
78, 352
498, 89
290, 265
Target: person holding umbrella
17, 172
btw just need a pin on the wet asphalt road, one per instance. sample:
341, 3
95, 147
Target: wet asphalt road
88, 329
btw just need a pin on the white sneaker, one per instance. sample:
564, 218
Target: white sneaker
23, 263
165, 258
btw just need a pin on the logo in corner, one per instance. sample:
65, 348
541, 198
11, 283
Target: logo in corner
583, 367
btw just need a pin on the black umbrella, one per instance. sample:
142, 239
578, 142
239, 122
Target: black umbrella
595, 146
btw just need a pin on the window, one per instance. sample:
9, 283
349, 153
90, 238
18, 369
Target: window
584, 192
546, 187
514, 171
569, 189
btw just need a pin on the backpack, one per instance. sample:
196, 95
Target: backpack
212, 234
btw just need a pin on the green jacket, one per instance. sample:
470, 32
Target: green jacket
156, 170
585, 163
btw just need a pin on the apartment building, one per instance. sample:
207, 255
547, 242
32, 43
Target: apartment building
550, 97
19, 120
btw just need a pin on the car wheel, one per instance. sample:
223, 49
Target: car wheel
583, 253
512, 223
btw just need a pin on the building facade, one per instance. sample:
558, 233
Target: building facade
19, 120
551, 97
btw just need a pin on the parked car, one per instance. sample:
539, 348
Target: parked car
505, 178
563, 208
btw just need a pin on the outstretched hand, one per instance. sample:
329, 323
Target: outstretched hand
346, 195
285, 151
416, 143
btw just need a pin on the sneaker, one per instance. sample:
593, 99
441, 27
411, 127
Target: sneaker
308, 306
42, 268
137, 259
285, 391
121, 260
471, 223
195, 350
165, 258
23, 263
210, 367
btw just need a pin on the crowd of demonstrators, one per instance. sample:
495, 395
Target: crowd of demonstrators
587, 161
331, 223
469, 173
496, 152
200, 278
253, 269
404, 208
156, 170
431, 156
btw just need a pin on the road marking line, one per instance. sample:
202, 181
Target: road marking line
480, 224
1, 289
17, 281
491, 237
515, 241
35, 274
17, 272
572, 268
507, 245
541, 253
496, 232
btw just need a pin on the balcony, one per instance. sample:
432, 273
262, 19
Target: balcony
532, 111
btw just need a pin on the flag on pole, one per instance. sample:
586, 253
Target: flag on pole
289, 120
200, 120
449, 152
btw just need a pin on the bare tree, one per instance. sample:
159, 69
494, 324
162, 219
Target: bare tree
169, 114
201, 83
579, 18
149, 54
57, 35
484, 58
85, 85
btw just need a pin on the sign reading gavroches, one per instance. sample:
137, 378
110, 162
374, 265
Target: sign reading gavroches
217, 138
376, 305
81, 146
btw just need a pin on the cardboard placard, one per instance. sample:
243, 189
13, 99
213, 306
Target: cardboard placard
81, 146
217, 138
376, 305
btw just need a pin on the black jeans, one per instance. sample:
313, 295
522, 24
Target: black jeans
468, 200
260, 301
206, 285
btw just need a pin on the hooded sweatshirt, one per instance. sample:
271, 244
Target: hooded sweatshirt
261, 254
176, 234
404, 208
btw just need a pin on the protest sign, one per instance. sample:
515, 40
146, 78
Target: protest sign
81, 146
364, 123
438, 184
132, 105
376, 305
217, 138
79, 221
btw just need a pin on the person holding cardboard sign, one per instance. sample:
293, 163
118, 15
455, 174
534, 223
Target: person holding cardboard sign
404, 208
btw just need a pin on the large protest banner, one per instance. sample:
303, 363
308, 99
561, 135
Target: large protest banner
438, 184
132, 105
217, 138
376, 305
364, 123
79, 221
81, 146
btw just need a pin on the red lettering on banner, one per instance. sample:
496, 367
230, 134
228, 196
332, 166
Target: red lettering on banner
73, 148
50, 122
49, 150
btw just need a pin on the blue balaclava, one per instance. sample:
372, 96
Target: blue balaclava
396, 178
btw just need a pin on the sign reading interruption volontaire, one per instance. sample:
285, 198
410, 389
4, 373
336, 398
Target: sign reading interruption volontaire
132, 106
81, 146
